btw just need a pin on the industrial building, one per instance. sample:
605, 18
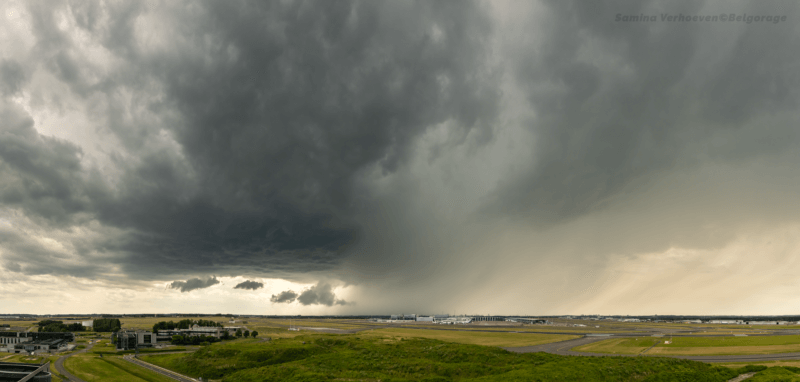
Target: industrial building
13, 338
133, 339
15, 372
42, 346
40, 342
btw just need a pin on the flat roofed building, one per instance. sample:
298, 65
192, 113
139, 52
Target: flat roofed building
195, 331
42, 346
132, 339
9, 341
13, 338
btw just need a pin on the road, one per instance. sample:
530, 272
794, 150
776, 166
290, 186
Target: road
160, 370
60, 364
563, 348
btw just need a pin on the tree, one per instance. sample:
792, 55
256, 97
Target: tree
246, 333
254, 333
107, 325
238, 332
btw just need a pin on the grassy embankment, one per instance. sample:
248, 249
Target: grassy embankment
93, 368
373, 357
697, 345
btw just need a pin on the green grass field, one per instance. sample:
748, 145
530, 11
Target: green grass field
91, 368
500, 339
358, 357
697, 345
776, 374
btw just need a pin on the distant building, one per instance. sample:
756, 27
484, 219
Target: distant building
455, 320
13, 338
87, 324
132, 339
425, 318
11, 341
42, 346
196, 331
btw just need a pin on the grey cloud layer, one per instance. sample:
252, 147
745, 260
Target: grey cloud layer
276, 114
651, 97
247, 135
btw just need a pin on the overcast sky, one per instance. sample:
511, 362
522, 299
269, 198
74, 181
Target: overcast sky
380, 157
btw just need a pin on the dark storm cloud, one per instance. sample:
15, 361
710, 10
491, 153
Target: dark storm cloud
192, 284
42, 175
12, 77
649, 97
276, 109
252, 285
320, 294
26, 255
286, 296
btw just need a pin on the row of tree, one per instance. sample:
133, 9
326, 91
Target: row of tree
183, 324
246, 333
193, 340
204, 340
59, 326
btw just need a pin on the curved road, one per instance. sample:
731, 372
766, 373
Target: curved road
563, 348
60, 364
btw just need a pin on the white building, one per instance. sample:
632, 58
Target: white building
455, 320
